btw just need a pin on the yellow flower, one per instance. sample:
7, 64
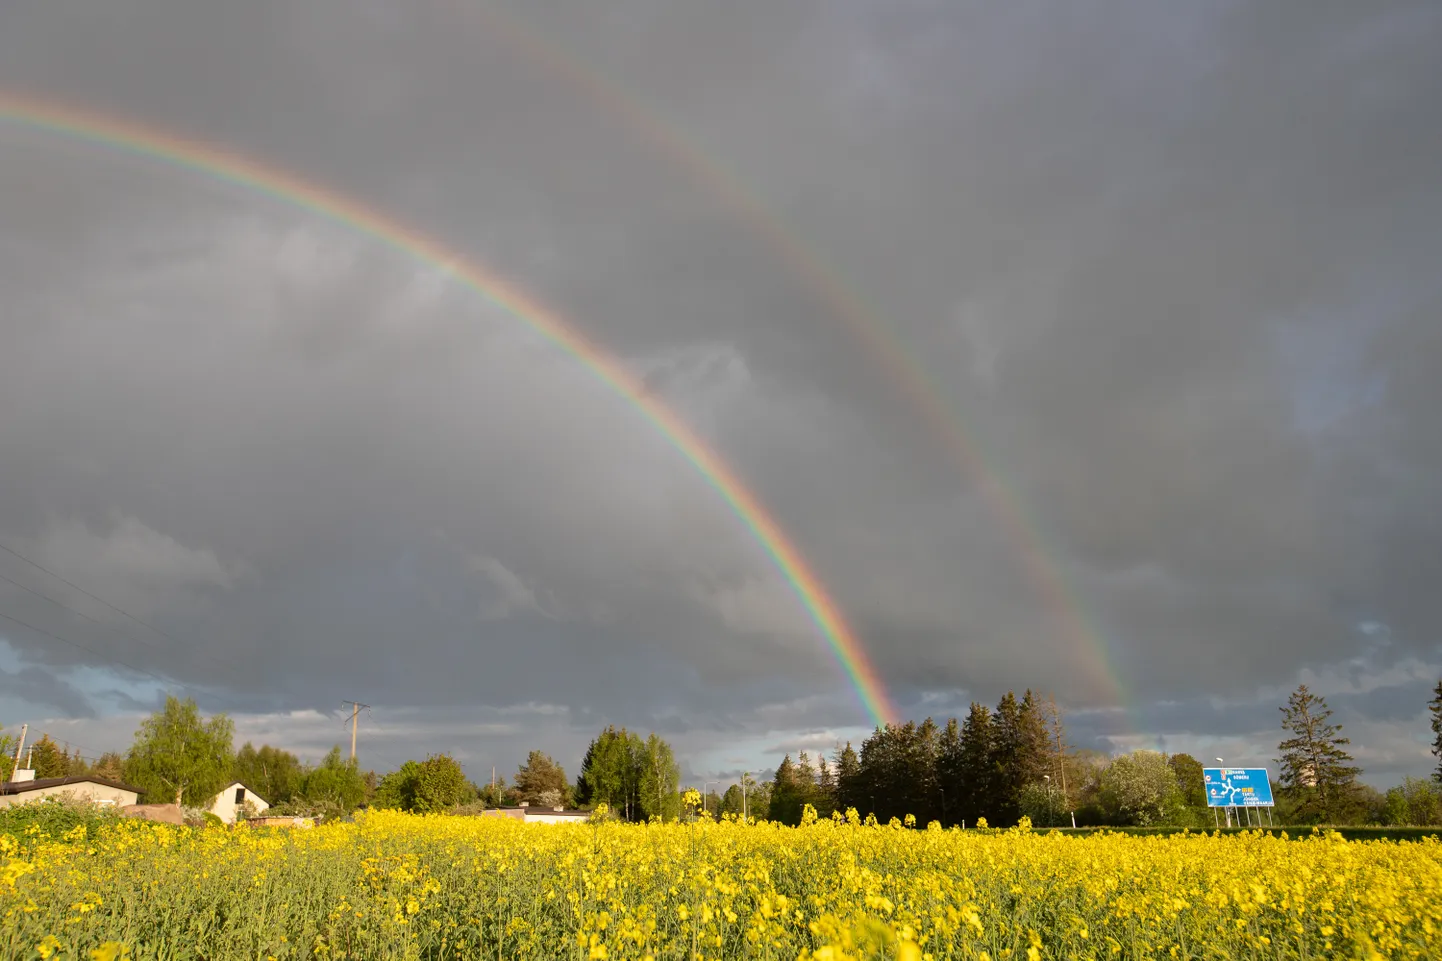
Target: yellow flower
110, 951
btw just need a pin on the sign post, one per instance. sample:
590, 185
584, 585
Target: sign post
1238, 787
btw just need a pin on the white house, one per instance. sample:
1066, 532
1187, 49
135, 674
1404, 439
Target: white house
231, 800
97, 790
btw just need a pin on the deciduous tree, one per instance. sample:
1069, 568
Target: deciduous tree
1141, 788
272, 773
1188, 771
179, 756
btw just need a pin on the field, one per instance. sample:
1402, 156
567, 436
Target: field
399, 886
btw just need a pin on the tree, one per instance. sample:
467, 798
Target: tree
538, 775
1316, 770
440, 785
1190, 780
949, 780
785, 802
731, 801
7, 752
1435, 707
975, 772
110, 766
848, 778
179, 756
48, 759
270, 772
659, 790
1416, 802
332, 789
1141, 788
397, 790
611, 772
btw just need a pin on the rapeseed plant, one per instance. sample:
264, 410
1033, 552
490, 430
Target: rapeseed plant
392, 885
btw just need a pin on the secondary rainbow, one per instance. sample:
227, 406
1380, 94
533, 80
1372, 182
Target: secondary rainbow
147, 141
905, 372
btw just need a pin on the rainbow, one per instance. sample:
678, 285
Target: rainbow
146, 141
948, 426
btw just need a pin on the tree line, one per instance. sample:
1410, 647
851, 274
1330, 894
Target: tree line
1012, 761
994, 767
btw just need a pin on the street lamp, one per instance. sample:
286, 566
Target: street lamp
1229, 810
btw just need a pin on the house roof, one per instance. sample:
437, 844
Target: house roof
25, 787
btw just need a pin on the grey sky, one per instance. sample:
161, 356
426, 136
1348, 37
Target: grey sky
1173, 270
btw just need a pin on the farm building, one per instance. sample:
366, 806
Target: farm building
96, 790
232, 799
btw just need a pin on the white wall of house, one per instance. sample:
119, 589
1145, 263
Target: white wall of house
231, 800
101, 794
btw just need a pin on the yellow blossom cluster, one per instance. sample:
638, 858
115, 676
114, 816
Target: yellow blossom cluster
399, 886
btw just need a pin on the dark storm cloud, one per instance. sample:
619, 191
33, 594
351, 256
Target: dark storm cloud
1172, 269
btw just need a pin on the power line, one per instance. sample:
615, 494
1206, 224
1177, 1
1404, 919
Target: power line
96, 620
114, 660
155, 630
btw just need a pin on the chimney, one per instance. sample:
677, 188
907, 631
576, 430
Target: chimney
22, 774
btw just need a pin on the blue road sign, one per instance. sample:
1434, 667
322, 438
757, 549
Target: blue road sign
1239, 787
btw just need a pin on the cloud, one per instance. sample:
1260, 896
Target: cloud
1170, 273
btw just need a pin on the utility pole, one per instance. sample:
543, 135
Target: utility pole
24, 728
354, 714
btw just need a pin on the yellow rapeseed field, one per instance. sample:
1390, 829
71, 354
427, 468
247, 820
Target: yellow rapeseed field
400, 886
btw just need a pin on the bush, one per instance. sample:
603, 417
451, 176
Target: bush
53, 817
469, 808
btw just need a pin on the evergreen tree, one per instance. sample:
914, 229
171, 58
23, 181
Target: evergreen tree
785, 801
825, 797
1035, 755
1007, 760
949, 776
48, 759
541, 776
111, 766
1435, 706
976, 772
848, 775
921, 791
805, 779
1316, 770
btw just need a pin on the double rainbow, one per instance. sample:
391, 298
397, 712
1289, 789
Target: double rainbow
139, 139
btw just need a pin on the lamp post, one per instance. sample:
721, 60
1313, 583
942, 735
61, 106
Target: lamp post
1229, 810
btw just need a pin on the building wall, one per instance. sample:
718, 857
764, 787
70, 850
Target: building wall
225, 808
551, 817
85, 791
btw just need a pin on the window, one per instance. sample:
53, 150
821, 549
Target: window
240, 795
